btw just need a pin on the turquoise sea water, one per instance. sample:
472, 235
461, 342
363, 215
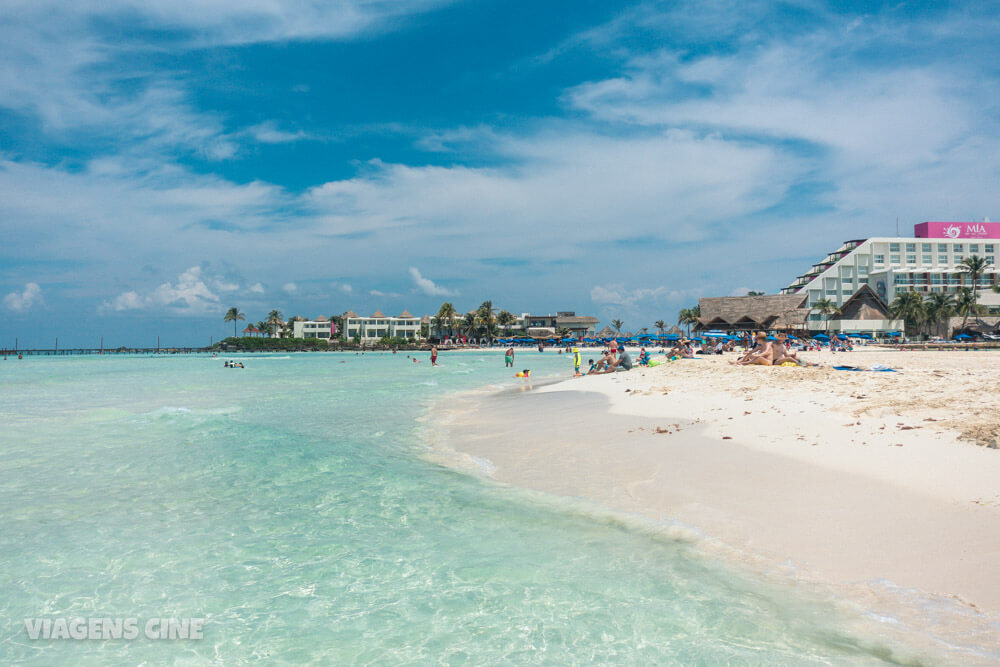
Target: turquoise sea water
292, 505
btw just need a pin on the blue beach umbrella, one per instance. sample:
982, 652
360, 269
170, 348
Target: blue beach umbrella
963, 337
821, 337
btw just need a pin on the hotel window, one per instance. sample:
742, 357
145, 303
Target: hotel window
894, 259
862, 270
847, 292
989, 247
973, 248
989, 259
831, 292
893, 247
926, 247
957, 247
911, 247
880, 259
942, 259
863, 281
911, 259
958, 258
942, 247
925, 259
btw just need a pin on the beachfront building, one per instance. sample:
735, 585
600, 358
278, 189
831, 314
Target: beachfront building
578, 326
377, 326
526, 324
317, 328
368, 329
926, 263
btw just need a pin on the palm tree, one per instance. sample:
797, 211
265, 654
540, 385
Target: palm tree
447, 313
505, 319
975, 266
909, 307
275, 319
826, 308
234, 315
486, 319
660, 326
965, 304
469, 324
755, 293
689, 316
938, 308
617, 326
261, 328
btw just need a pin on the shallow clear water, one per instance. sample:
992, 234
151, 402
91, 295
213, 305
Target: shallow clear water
292, 505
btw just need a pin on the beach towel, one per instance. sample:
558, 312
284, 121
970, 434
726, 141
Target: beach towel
877, 368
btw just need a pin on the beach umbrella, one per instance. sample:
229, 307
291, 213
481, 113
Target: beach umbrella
963, 337
893, 333
821, 337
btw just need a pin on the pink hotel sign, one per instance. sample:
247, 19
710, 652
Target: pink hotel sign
957, 230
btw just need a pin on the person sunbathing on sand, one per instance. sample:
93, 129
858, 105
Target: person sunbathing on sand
780, 351
762, 354
603, 364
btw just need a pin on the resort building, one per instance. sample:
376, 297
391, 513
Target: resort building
376, 326
928, 262
863, 276
318, 328
579, 326
368, 329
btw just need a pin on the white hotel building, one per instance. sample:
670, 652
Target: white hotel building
369, 329
928, 262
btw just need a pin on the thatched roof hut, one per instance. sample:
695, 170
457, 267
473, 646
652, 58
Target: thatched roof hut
779, 311
864, 304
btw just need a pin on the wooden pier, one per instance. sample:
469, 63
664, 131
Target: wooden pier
105, 352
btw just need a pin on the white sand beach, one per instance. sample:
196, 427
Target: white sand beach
880, 485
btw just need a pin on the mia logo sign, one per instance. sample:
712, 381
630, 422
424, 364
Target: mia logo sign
958, 230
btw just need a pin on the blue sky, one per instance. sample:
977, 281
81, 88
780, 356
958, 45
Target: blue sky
161, 161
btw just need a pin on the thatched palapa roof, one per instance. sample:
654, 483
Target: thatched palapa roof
780, 311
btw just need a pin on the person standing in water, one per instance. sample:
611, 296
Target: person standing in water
576, 361
508, 357
434, 355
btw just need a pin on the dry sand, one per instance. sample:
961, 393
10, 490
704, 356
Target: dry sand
883, 486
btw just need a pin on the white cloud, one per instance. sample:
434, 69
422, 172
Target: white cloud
343, 287
289, 287
427, 286
256, 288
196, 291
270, 133
24, 300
